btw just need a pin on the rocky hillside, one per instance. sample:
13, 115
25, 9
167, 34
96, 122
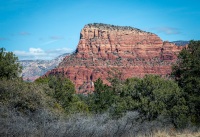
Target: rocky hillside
103, 48
32, 69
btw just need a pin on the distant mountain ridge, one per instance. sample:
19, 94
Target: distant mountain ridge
32, 69
181, 42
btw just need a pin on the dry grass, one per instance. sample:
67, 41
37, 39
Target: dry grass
172, 133
45, 124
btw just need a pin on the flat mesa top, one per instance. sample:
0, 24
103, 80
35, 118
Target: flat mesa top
103, 26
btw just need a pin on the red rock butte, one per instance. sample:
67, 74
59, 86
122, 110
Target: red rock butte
104, 47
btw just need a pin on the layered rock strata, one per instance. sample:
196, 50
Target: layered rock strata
103, 47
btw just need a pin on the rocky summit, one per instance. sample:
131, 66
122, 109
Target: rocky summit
103, 48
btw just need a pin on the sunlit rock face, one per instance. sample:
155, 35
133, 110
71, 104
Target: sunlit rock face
103, 48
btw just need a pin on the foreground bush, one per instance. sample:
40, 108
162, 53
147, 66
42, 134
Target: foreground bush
63, 91
187, 74
152, 96
156, 96
25, 97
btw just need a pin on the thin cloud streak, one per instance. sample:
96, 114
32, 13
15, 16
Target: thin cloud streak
48, 42
56, 37
24, 33
179, 10
167, 30
52, 40
1, 39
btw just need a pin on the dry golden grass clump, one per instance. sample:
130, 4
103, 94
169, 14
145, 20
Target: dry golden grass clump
173, 133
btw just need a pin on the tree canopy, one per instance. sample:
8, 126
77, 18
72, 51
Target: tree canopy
9, 65
187, 74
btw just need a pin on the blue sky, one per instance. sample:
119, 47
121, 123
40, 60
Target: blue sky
44, 29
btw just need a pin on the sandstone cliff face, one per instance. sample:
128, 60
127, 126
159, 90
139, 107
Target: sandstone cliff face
103, 48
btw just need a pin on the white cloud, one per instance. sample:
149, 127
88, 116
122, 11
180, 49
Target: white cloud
38, 53
60, 51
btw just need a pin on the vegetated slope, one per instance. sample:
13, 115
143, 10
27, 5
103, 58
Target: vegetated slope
104, 47
33, 69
